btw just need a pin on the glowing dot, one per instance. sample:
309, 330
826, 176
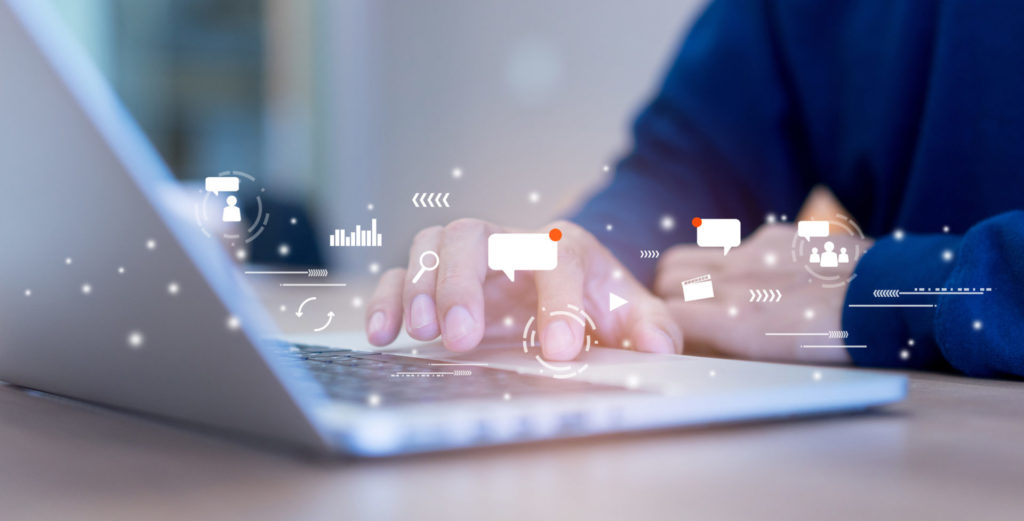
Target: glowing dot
283, 308
135, 339
283, 250
150, 244
784, 218
606, 168
241, 254
809, 313
555, 234
508, 321
28, 293
712, 373
947, 255
86, 288
617, 274
770, 259
369, 207
945, 229
374, 268
293, 221
415, 351
357, 302
904, 354
626, 344
632, 381
456, 173
770, 218
120, 270
733, 311
506, 397
373, 399
910, 342
977, 325
67, 260
668, 223
534, 197
608, 227
233, 323
173, 288
898, 234
816, 375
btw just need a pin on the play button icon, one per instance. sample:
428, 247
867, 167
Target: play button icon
615, 301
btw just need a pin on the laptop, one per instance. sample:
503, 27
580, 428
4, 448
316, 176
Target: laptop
94, 238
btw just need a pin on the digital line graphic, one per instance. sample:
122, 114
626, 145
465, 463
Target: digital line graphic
311, 272
832, 333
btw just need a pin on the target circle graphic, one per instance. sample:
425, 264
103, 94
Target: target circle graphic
560, 370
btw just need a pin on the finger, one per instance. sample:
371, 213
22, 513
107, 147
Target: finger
710, 324
561, 332
384, 313
418, 299
651, 327
459, 288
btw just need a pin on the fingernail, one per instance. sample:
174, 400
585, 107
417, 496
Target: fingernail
422, 313
457, 324
376, 324
557, 341
656, 341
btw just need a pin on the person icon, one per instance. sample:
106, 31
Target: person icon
843, 256
829, 259
231, 213
815, 257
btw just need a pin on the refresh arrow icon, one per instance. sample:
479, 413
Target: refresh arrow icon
330, 316
298, 313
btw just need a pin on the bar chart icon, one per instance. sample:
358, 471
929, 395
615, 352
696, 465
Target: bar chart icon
358, 238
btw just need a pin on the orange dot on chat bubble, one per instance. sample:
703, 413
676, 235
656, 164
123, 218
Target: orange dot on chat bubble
555, 234
696, 222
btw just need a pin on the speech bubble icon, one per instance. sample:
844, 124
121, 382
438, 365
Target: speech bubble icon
718, 233
808, 229
221, 184
511, 252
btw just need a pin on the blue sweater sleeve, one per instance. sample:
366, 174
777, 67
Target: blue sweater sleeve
719, 140
978, 335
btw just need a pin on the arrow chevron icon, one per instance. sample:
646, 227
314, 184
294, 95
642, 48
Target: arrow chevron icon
765, 295
649, 254
431, 199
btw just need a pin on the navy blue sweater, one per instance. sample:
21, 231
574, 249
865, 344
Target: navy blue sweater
910, 111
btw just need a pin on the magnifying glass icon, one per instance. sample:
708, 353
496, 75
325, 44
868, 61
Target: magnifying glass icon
423, 264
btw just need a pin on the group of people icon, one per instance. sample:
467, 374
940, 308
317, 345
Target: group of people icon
829, 258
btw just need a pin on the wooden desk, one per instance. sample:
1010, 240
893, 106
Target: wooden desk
955, 450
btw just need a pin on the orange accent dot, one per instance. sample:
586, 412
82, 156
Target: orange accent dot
555, 234
696, 222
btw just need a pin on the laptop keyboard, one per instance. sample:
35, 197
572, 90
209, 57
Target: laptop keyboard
381, 379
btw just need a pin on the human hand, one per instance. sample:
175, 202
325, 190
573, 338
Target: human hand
729, 323
464, 302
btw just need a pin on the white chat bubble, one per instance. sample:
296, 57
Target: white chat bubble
808, 229
221, 184
511, 252
718, 233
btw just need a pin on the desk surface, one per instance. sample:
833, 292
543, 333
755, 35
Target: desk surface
953, 450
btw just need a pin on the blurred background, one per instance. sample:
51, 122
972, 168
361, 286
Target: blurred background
343, 109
